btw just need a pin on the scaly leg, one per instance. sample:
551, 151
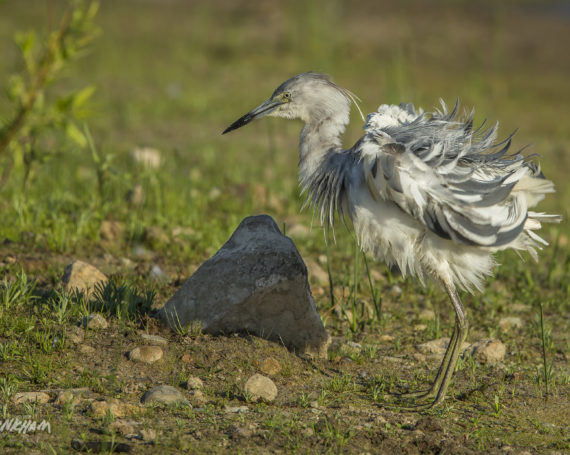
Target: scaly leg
447, 367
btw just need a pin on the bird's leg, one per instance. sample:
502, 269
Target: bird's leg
447, 367
440, 372
461, 327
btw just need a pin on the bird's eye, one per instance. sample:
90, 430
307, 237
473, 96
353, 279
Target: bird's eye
287, 95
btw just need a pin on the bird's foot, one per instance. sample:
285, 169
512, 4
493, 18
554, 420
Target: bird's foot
414, 401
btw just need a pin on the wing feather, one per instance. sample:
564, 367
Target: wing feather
447, 176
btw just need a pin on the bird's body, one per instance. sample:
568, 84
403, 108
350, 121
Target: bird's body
423, 191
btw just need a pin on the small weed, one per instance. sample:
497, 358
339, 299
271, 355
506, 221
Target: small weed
546, 339
304, 400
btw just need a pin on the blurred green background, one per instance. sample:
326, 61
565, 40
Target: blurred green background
172, 74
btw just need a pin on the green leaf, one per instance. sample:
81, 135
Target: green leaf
81, 97
26, 42
75, 134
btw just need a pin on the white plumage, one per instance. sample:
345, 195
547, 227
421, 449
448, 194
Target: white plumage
424, 192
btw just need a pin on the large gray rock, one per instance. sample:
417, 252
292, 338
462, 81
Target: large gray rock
257, 282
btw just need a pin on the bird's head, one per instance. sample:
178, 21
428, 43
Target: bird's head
307, 96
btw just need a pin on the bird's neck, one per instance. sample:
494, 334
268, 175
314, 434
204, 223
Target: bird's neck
318, 139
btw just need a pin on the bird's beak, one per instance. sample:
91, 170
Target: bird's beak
262, 110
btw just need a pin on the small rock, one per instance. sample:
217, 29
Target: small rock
99, 409
261, 387
154, 339
395, 290
386, 338
419, 327
148, 435
86, 349
183, 231
128, 264
427, 315
111, 230
270, 366
308, 432
156, 236
438, 346
76, 335
94, 321
82, 277
487, 351
197, 398
67, 397
146, 354
214, 193
236, 409
239, 432
186, 358
512, 322
419, 357
520, 307
30, 397
164, 394
122, 427
316, 273
194, 383
352, 347
298, 231
140, 252
158, 275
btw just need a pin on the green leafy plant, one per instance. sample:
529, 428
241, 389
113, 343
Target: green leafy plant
32, 133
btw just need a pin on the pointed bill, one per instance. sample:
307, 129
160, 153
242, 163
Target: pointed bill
262, 110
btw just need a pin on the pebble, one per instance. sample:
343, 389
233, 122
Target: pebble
186, 358
298, 231
158, 275
76, 335
316, 273
511, 322
67, 397
488, 350
86, 349
146, 354
520, 307
395, 290
386, 338
197, 398
164, 394
148, 435
194, 383
112, 230
261, 387
82, 277
236, 409
99, 409
154, 339
270, 366
156, 236
438, 346
122, 427
94, 321
427, 315
30, 397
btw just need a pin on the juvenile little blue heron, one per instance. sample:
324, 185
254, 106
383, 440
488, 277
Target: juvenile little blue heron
425, 192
